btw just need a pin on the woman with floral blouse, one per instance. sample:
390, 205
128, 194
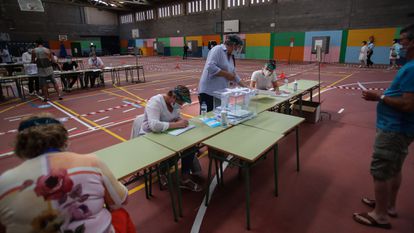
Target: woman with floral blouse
58, 191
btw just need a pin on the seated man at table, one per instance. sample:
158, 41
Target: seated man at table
94, 63
162, 113
70, 79
265, 78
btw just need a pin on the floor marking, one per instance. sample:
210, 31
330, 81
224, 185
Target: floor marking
15, 106
7, 118
70, 130
101, 119
107, 124
70, 115
10, 101
128, 110
341, 110
92, 123
15, 119
106, 99
203, 208
7, 154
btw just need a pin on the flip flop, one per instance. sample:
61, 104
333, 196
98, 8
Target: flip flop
371, 203
365, 219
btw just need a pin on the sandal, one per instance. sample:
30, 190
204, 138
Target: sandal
190, 185
371, 203
367, 220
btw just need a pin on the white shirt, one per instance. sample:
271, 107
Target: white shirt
157, 117
363, 53
263, 82
96, 63
26, 57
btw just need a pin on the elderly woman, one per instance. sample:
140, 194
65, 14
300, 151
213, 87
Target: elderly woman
163, 113
54, 190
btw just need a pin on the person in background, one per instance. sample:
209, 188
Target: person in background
70, 79
55, 190
162, 113
394, 54
43, 59
5, 55
370, 51
395, 133
363, 54
219, 71
55, 62
33, 81
265, 78
185, 51
94, 63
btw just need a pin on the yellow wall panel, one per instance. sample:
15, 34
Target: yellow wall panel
199, 39
260, 39
383, 36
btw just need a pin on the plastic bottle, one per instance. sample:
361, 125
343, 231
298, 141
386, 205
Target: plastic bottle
223, 116
203, 110
295, 86
286, 82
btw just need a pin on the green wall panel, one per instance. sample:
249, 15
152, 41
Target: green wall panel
283, 38
344, 43
165, 41
176, 51
257, 52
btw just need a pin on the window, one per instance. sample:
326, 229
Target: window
126, 18
255, 2
150, 14
144, 15
237, 3
176, 9
195, 6
212, 4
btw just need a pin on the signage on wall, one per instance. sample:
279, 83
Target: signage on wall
31, 5
63, 37
135, 33
231, 26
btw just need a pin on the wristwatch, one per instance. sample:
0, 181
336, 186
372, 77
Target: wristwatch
382, 97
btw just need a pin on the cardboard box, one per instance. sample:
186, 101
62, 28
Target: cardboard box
311, 111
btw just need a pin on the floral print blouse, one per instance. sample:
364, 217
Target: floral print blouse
59, 192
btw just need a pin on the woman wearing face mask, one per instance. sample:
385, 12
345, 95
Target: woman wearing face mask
266, 78
162, 112
219, 71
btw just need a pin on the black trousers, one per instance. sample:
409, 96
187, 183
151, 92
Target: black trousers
34, 84
369, 62
208, 100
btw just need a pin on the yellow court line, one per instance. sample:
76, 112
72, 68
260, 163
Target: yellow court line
340, 80
90, 122
118, 95
15, 106
9, 101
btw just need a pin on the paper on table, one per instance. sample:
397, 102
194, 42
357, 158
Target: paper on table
177, 132
362, 86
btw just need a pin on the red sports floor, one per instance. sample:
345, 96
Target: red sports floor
335, 153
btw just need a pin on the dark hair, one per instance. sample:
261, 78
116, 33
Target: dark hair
39, 41
409, 30
233, 40
37, 134
271, 65
364, 42
182, 93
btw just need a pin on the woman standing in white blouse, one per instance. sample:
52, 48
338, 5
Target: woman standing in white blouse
162, 112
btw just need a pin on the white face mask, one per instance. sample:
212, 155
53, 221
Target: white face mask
267, 73
236, 51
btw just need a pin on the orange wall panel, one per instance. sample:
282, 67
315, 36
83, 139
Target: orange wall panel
281, 53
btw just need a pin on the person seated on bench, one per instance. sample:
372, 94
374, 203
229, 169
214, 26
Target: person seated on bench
162, 113
70, 79
95, 63
54, 190
265, 78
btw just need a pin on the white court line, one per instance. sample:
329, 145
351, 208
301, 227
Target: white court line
106, 99
70, 115
70, 130
341, 110
128, 110
107, 124
101, 119
203, 208
17, 116
7, 154
15, 119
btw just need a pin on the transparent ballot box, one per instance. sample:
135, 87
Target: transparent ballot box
235, 105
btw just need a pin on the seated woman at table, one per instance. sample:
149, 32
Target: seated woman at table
70, 79
265, 78
54, 190
162, 113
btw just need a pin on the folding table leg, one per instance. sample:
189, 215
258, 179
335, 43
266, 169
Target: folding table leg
210, 161
275, 161
180, 209
171, 190
297, 149
247, 180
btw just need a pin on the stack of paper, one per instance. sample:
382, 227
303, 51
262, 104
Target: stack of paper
177, 132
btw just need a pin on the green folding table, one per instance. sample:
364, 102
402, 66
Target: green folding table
249, 145
126, 158
278, 123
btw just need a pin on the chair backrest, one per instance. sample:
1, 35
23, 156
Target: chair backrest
136, 126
